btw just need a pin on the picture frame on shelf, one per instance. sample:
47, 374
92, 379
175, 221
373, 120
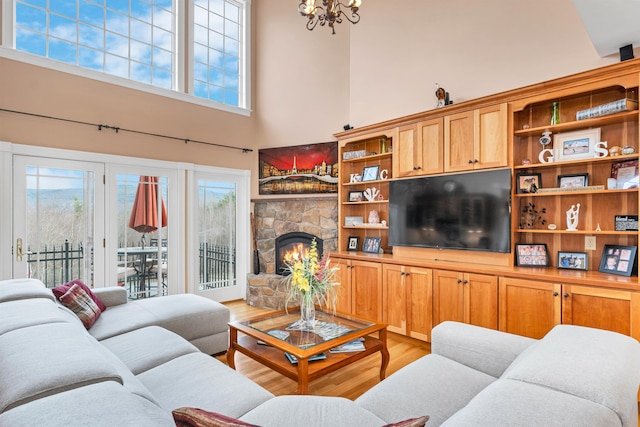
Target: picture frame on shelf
356, 196
352, 243
528, 182
532, 255
573, 180
577, 145
370, 173
618, 260
573, 260
371, 244
625, 174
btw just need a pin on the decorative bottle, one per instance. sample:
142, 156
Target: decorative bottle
555, 114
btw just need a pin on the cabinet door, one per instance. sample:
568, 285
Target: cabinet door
420, 302
459, 142
448, 297
609, 309
431, 146
366, 281
343, 304
491, 139
527, 307
481, 300
395, 298
406, 152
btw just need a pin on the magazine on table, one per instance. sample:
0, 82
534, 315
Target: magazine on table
350, 347
294, 359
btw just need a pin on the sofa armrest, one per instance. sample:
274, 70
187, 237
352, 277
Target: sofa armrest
113, 295
483, 349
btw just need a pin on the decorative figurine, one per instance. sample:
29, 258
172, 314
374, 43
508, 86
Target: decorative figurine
374, 217
545, 140
442, 96
572, 217
371, 194
615, 150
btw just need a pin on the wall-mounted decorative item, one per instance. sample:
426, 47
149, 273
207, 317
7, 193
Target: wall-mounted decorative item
532, 255
300, 169
356, 196
528, 182
625, 173
573, 260
352, 244
370, 173
573, 181
618, 260
570, 146
371, 244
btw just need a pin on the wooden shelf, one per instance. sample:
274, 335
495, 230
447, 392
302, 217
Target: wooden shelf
378, 181
579, 124
576, 192
578, 232
366, 202
610, 159
369, 227
374, 157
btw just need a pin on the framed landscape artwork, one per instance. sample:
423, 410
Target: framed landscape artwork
300, 169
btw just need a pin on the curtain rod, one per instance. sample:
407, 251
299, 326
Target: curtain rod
119, 129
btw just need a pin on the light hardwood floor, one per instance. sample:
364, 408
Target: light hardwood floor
350, 381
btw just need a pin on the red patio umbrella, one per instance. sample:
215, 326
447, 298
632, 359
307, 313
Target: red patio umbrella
144, 215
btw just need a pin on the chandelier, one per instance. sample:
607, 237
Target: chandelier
329, 13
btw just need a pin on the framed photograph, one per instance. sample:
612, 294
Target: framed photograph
625, 173
573, 181
532, 255
576, 145
370, 173
572, 260
356, 196
371, 245
528, 182
618, 259
352, 244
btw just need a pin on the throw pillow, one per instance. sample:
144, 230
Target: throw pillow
194, 417
58, 291
413, 422
78, 301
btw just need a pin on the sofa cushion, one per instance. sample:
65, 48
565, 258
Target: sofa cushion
201, 381
597, 365
432, 385
16, 289
42, 360
311, 411
59, 291
78, 301
195, 417
105, 404
146, 348
23, 313
507, 403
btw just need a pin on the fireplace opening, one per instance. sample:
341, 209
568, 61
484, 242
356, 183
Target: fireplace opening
297, 241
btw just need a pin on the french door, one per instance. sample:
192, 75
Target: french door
58, 221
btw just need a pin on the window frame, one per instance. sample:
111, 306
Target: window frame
184, 82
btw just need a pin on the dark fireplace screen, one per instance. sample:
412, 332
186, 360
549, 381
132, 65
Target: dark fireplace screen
293, 242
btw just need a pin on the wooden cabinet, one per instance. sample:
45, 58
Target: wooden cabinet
419, 149
361, 289
476, 139
407, 300
533, 308
465, 297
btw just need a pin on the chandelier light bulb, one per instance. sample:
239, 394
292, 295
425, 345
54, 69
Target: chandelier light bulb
330, 13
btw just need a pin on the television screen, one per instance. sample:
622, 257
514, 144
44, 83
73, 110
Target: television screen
457, 211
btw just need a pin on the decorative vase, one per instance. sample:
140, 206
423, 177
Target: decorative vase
307, 313
555, 114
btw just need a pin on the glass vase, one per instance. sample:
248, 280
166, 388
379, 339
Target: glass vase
307, 313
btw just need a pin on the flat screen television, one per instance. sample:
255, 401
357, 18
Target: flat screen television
469, 211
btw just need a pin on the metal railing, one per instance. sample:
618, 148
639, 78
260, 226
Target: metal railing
217, 266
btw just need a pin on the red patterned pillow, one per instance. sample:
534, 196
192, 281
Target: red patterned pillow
78, 301
194, 417
413, 422
58, 291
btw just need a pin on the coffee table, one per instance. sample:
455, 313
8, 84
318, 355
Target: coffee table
336, 329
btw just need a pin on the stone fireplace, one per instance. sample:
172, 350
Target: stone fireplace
316, 216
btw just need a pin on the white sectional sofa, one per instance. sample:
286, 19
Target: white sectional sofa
56, 373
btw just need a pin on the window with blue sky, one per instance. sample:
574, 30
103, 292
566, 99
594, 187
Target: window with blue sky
139, 40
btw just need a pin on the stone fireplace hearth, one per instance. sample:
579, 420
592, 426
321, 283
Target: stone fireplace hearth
274, 217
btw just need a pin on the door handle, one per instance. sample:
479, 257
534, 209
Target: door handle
19, 250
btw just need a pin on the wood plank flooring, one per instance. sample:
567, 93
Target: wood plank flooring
349, 382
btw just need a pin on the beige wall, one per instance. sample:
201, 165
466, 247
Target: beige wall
307, 85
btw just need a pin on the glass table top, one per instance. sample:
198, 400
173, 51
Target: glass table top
328, 326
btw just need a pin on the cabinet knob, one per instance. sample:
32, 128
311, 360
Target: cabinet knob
555, 294
464, 282
459, 280
566, 295
475, 160
470, 161
406, 274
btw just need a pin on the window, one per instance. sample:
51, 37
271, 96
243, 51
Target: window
142, 41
